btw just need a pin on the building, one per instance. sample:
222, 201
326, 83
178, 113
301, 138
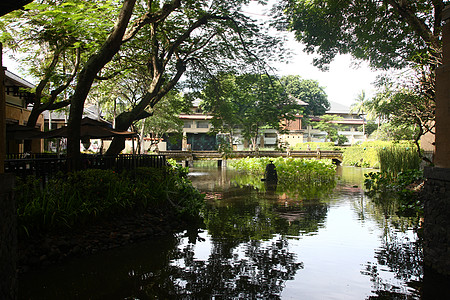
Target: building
17, 134
350, 125
197, 126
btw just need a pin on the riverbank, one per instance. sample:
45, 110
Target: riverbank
53, 248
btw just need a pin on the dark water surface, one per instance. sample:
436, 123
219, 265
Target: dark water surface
258, 243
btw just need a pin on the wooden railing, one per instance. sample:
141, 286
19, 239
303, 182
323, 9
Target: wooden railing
48, 165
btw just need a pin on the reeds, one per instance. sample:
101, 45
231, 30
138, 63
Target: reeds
396, 159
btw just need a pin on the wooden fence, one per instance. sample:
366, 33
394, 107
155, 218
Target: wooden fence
45, 166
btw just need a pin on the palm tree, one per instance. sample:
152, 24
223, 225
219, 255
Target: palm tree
360, 107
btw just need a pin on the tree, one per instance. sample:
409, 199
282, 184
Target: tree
308, 91
165, 118
248, 102
198, 41
169, 38
405, 108
53, 41
360, 107
387, 33
329, 124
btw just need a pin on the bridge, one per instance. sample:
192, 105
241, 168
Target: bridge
189, 156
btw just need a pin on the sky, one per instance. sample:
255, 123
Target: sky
344, 80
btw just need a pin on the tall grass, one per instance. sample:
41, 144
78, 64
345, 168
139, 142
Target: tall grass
366, 153
396, 159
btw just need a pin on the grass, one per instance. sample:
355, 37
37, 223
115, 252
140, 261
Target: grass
366, 154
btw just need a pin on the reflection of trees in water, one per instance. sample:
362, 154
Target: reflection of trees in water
403, 257
398, 254
248, 214
255, 270
258, 272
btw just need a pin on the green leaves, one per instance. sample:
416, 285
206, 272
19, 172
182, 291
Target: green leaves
249, 102
381, 32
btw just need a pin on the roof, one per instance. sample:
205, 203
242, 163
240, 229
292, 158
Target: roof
195, 117
18, 80
337, 108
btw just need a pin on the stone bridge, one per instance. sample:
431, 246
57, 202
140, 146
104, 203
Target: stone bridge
336, 156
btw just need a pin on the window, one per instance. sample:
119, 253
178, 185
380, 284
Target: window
202, 124
187, 124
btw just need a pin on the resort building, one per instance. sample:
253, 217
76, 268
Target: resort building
197, 125
17, 133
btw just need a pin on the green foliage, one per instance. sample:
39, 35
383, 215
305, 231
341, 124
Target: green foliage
366, 153
385, 33
314, 145
250, 102
382, 186
363, 155
329, 124
395, 159
84, 197
290, 170
309, 91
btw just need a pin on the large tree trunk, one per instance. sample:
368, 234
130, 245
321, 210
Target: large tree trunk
87, 77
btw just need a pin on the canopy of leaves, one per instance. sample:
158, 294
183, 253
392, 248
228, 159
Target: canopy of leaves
248, 102
308, 91
329, 124
387, 33
404, 108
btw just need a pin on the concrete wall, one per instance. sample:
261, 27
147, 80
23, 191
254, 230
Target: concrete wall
436, 195
8, 238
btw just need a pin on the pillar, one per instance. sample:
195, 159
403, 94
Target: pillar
442, 156
436, 193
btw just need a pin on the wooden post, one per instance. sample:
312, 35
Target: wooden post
442, 155
2, 114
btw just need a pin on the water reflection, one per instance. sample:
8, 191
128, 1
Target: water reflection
259, 243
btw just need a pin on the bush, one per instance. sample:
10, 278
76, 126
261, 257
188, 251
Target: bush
382, 186
366, 153
395, 159
289, 169
79, 198
313, 146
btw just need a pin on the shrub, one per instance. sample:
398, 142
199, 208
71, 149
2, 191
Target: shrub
313, 146
395, 159
366, 153
74, 199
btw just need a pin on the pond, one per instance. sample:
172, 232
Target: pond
258, 243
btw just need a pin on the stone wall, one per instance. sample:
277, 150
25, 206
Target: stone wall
8, 238
437, 220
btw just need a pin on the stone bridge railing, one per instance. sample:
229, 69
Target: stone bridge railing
215, 155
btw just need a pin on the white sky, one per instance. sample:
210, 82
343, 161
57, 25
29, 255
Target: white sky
344, 80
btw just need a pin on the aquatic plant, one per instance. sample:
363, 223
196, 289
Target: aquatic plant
402, 189
366, 154
396, 159
289, 169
